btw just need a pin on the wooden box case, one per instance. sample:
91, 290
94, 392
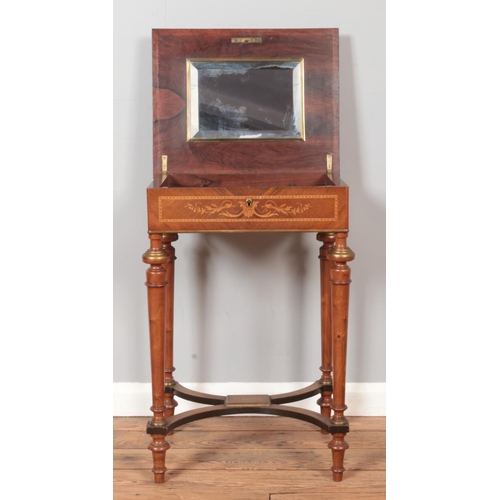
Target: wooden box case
246, 131
246, 139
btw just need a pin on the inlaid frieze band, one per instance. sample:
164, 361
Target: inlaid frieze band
237, 208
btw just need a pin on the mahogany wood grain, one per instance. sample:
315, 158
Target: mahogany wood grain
247, 179
318, 47
195, 396
299, 395
271, 409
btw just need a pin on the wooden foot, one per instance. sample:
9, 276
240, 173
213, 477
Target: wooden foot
159, 447
338, 447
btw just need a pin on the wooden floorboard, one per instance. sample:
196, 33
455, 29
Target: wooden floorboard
359, 495
250, 458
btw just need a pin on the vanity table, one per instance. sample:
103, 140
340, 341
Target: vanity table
246, 139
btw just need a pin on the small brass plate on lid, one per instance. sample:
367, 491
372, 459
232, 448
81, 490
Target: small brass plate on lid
247, 39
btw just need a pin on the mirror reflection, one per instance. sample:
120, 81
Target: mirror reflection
245, 100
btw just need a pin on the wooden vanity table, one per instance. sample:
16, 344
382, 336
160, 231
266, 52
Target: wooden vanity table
246, 139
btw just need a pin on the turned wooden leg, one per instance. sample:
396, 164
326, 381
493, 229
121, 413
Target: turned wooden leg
325, 401
340, 275
156, 282
170, 402
159, 447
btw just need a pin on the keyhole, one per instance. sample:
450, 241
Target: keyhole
249, 203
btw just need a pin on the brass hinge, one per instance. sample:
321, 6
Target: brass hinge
164, 160
329, 161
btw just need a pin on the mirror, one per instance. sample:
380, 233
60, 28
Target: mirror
245, 99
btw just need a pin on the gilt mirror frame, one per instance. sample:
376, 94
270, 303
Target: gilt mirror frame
228, 101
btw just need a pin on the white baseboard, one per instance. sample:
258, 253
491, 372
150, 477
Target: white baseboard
134, 399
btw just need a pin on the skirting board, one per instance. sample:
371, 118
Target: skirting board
134, 399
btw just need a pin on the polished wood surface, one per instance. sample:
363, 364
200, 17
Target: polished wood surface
334, 280
318, 47
247, 179
247, 186
340, 275
166, 240
248, 458
248, 209
156, 257
325, 402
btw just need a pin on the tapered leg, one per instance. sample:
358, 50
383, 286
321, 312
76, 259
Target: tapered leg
340, 275
156, 282
159, 447
325, 401
170, 402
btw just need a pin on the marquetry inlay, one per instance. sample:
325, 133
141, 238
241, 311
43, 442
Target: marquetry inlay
242, 208
217, 208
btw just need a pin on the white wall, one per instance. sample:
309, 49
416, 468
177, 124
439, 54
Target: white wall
247, 305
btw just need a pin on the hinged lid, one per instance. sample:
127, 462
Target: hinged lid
245, 101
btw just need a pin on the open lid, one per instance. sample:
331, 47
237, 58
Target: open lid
245, 101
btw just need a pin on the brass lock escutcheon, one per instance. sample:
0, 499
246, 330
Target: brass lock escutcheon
249, 203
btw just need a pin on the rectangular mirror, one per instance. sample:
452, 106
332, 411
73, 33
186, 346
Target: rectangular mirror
245, 99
